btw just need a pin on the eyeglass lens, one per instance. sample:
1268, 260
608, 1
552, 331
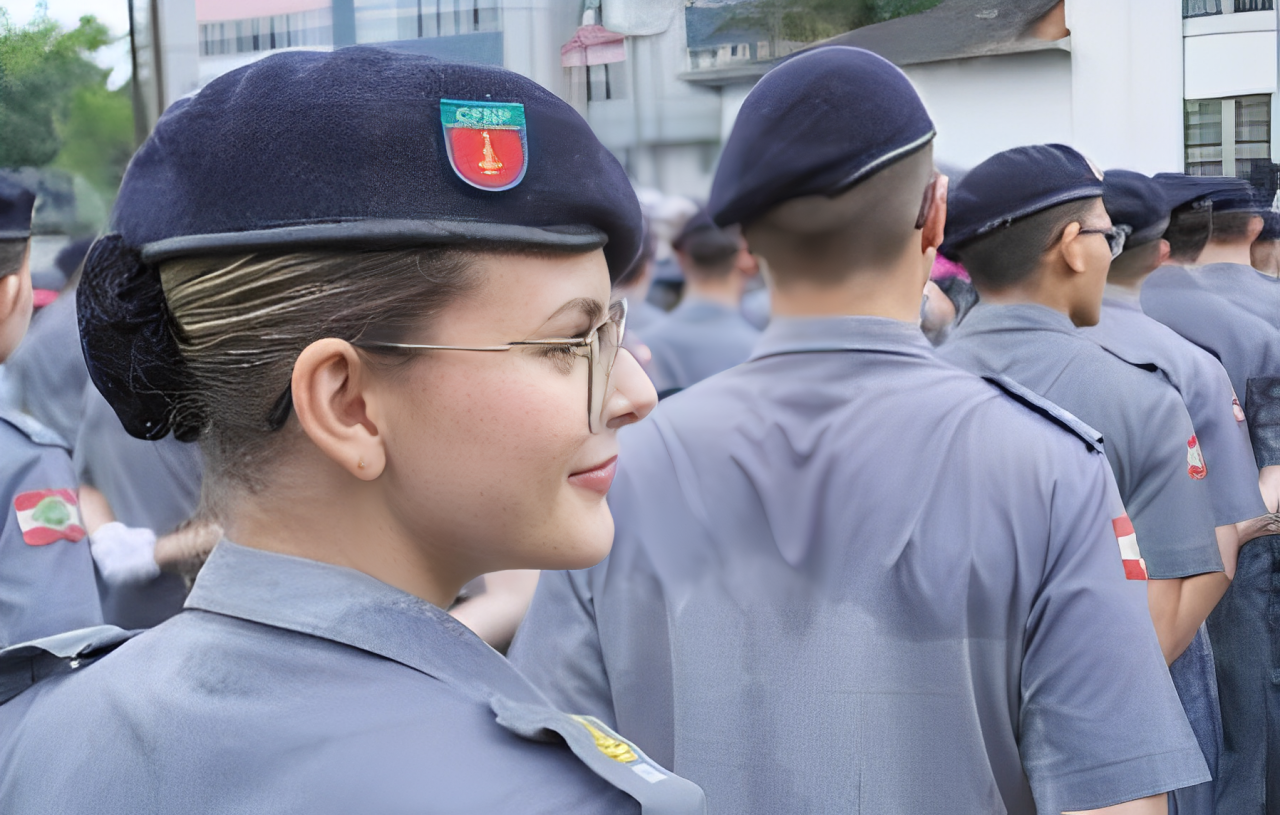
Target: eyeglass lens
603, 353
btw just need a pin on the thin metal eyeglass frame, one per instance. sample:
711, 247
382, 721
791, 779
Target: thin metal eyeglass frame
591, 342
1115, 238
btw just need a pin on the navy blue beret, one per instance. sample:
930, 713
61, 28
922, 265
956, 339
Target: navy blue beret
359, 148
16, 204
816, 125
1137, 204
700, 221
1270, 226
1242, 197
1181, 190
1014, 184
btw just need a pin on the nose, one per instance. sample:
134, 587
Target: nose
631, 395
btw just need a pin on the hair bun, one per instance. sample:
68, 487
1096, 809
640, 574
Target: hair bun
127, 337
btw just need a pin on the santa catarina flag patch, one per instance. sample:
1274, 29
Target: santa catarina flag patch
1195, 460
45, 516
1135, 568
486, 142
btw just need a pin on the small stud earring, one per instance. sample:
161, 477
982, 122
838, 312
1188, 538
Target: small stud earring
360, 464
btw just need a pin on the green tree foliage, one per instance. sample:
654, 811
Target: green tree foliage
812, 20
55, 108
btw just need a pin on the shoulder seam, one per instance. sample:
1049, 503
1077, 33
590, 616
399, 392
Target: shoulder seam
1047, 409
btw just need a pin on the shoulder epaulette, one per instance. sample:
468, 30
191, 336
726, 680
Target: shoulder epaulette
33, 430
26, 663
1038, 404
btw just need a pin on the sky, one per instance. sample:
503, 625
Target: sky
114, 13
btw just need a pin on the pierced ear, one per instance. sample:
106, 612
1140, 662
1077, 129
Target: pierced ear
332, 398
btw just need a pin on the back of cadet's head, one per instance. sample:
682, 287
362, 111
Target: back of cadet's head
707, 251
827, 166
1237, 212
1012, 209
1137, 205
16, 206
357, 219
1191, 216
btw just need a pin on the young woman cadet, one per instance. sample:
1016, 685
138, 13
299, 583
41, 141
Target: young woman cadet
375, 287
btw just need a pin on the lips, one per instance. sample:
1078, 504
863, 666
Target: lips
597, 479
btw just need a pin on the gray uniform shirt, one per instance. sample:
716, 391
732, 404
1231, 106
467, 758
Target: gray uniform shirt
1243, 286
1206, 391
48, 374
150, 484
848, 577
292, 686
1148, 435
696, 340
47, 580
1246, 345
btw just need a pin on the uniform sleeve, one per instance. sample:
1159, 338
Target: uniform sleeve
1219, 424
1162, 480
558, 646
1101, 722
47, 581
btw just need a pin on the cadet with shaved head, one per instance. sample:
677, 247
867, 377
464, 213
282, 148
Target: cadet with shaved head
847, 576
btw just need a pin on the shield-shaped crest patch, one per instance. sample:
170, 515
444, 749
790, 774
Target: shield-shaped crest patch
486, 142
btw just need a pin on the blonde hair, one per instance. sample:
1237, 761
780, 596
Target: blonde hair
240, 323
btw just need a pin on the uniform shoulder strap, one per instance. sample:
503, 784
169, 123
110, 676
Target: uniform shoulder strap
26, 663
1038, 404
32, 429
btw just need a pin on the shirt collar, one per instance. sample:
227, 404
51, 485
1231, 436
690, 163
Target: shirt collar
693, 307
1121, 296
1015, 317
352, 608
800, 335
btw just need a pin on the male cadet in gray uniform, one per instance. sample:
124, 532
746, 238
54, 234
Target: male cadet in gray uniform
1137, 206
1029, 226
1264, 255
706, 333
1225, 266
846, 576
1240, 627
46, 571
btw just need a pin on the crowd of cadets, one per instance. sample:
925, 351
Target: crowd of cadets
852, 571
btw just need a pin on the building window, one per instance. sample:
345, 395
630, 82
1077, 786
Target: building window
298, 30
1255, 5
389, 20
1228, 136
1201, 8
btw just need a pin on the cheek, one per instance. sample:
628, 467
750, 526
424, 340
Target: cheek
481, 452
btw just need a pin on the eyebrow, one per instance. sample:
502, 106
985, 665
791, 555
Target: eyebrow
591, 309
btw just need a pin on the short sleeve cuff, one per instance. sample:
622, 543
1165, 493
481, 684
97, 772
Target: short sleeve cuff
1120, 781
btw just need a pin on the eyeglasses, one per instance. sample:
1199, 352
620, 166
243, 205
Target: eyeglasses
600, 347
1115, 238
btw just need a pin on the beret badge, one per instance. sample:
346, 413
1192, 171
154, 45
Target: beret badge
486, 142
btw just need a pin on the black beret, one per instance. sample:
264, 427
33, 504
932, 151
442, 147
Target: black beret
816, 125
1181, 190
1017, 183
359, 148
1136, 204
16, 205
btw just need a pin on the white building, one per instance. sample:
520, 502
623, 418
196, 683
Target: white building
665, 131
1151, 85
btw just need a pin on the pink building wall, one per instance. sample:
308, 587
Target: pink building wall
214, 10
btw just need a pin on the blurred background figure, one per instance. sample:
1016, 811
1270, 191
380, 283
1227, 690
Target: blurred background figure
706, 333
1265, 252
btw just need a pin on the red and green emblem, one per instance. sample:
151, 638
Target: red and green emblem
486, 142
45, 516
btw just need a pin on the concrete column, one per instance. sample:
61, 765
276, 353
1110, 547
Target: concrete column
1127, 73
